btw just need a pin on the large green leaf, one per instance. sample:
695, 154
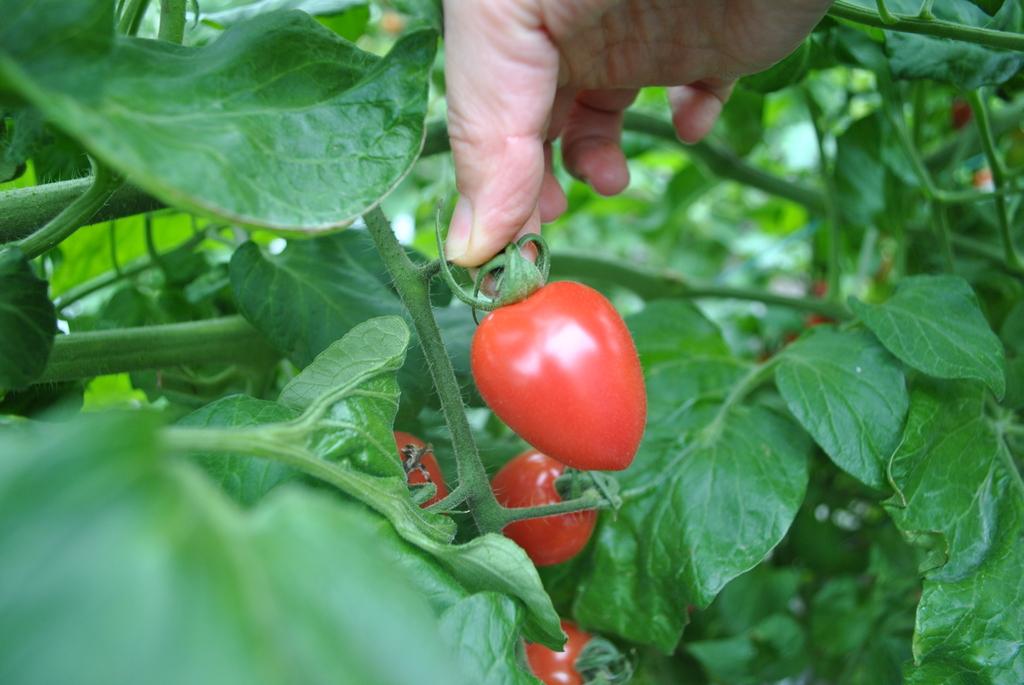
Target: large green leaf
122, 566
960, 496
315, 291
27, 321
278, 123
850, 395
357, 375
960, 63
673, 330
933, 324
482, 630
312, 293
699, 508
246, 479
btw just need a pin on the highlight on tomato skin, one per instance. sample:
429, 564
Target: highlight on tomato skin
404, 440
559, 668
560, 368
529, 480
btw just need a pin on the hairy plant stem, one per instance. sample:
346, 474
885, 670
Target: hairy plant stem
131, 16
414, 291
590, 500
75, 215
927, 26
999, 178
229, 339
936, 197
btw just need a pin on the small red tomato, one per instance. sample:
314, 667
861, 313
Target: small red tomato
819, 288
529, 480
559, 668
561, 370
960, 114
405, 442
817, 320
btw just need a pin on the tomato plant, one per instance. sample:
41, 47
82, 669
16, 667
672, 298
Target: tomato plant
221, 293
528, 480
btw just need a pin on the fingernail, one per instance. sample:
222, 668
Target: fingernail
459, 231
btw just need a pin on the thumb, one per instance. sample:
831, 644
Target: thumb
501, 70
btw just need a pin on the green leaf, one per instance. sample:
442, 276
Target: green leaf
27, 319
244, 478
483, 631
860, 172
933, 324
139, 550
960, 493
772, 650
356, 375
248, 128
700, 508
789, 71
961, 63
312, 293
316, 290
850, 395
670, 330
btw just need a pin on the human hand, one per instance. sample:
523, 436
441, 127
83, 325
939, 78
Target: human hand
522, 73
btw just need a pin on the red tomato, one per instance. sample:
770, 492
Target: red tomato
817, 320
529, 480
558, 668
404, 440
561, 370
960, 114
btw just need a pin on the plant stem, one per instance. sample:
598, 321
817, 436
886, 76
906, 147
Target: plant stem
588, 501
133, 268
75, 215
172, 20
754, 378
226, 340
415, 293
831, 204
128, 24
649, 285
988, 144
1011, 465
933, 194
929, 27
26, 209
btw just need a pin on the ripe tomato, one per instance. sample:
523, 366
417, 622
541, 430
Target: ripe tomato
561, 370
960, 114
558, 668
405, 442
529, 480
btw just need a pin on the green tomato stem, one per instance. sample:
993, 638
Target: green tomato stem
77, 214
590, 500
988, 144
172, 20
929, 27
414, 291
95, 353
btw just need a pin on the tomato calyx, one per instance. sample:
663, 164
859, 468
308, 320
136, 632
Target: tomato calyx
515, 276
601, 663
574, 484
